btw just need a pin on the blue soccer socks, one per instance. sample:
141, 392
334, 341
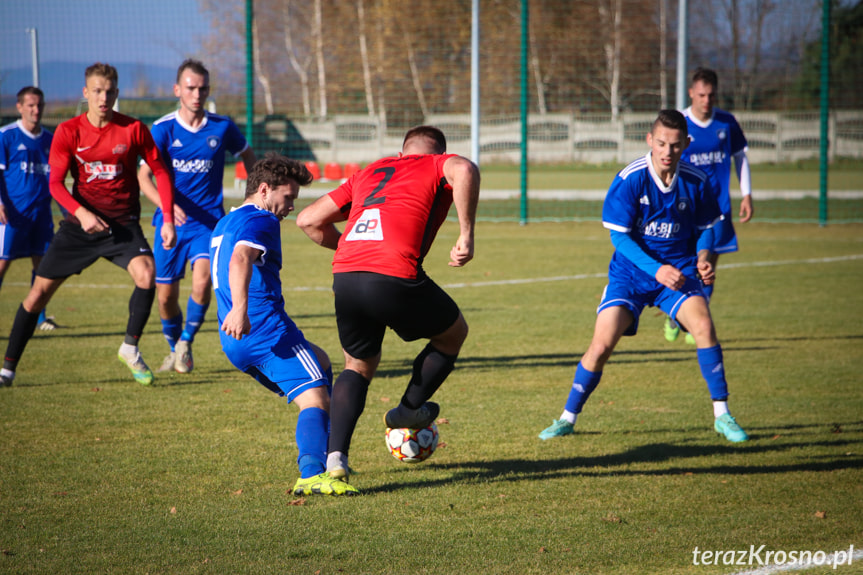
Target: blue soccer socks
172, 328
195, 313
583, 385
713, 371
312, 431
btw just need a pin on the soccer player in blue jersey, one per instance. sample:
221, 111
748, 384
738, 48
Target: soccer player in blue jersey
26, 222
715, 138
193, 144
256, 333
655, 210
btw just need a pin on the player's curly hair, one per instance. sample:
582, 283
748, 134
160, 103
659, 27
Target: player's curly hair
106, 71
671, 119
276, 170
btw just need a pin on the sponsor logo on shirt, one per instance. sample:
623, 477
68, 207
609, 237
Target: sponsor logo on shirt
197, 166
98, 170
707, 158
660, 229
177, 143
35, 168
367, 228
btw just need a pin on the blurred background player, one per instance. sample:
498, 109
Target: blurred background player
100, 148
256, 332
394, 208
192, 143
654, 209
715, 138
26, 221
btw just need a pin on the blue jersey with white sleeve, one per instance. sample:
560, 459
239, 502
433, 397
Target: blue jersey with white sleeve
24, 161
196, 159
712, 145
252, 226
665, 220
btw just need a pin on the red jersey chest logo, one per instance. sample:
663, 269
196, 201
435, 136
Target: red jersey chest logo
98, 170
120, 149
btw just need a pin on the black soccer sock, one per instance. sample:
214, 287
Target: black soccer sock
140, 305
22, 330
431, 368
346, 406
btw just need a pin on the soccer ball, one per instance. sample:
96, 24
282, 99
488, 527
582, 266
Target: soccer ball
412, 445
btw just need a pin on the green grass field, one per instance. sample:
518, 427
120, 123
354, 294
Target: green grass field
101, 475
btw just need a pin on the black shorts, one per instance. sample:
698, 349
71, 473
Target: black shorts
73, 250
367, 303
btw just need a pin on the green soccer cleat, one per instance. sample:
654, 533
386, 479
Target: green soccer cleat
558, 428
689, 339
324, 484
727, 426
139, 369
671, 329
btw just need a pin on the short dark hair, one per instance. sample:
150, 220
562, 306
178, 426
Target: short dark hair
276, 170
432, 133
705, 75
195, 66
672, 119
106, 71
28, 91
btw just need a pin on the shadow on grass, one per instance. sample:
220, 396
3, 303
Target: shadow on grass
673, 457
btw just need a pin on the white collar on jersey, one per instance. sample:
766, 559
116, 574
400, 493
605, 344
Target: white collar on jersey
688, 113
657, 180
189, 128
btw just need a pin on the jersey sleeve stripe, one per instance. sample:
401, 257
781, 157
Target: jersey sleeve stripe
616, 227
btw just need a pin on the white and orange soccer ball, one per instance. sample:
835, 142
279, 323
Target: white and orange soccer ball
412, 445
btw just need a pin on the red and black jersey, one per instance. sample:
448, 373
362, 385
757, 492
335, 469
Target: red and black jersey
103, 163
397, 206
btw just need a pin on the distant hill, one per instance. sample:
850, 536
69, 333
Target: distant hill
62, 81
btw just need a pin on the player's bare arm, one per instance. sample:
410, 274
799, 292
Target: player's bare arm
148, 188
3, 218
741, 164
318, 222
463, 175
236, 322
248, 158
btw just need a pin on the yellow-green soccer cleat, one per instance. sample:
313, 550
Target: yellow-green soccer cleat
690, 339
671, 330
324, 484
139, 369
727, 426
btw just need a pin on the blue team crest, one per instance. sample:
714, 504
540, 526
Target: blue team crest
682, 206
721, 134
213, 141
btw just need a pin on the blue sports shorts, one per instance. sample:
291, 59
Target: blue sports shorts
284, 363
191, 246
624, 294
24, 237
724, 237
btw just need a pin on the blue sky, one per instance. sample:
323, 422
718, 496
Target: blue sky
158, 32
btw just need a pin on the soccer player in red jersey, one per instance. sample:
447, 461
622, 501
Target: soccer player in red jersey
394, 208
100, 148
